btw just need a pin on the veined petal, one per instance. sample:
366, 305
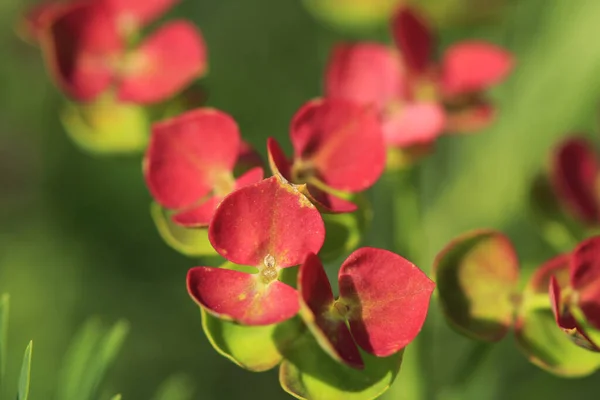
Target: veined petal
388, 298
189, 154
242, 297
270, 218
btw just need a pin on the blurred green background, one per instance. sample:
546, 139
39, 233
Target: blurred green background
76, 237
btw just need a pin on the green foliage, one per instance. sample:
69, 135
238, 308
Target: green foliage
4, 307
176, 387
25, 376
91, 353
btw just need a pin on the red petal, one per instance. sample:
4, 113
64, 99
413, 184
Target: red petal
585, 278
474, 66
366, 73
164, 64
575, 173
342, 141
199, 216
557, 267
188, 154
138, 12
267, 218
414, 38
278, 161
242, 297
389, 297
414, 124
80, 47
328, 326
563, 319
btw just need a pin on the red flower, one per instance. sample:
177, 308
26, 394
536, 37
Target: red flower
417, 97
85, 44
382, 305
338, 146
574, 177
269, 226
189, 164
582, 290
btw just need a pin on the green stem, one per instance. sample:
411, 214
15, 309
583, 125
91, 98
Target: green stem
400, 197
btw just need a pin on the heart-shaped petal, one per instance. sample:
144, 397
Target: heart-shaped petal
164, 64
242, 297
388, 298
367, 73
574, 177
477, 276
474, 66
189, 155
81, 46
414, 39
270, 218
585, 278
340, 142
318, 309
414, 124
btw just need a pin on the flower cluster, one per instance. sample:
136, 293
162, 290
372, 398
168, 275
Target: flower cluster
477, 276
417, 96
263, 227
96, 54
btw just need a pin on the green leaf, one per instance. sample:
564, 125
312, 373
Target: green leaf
176, 387
256, 348
107, 126
477, 276
309, 373
192, 242
88, 358
116, 397
344, 232
25, 376
4, 308
548, 347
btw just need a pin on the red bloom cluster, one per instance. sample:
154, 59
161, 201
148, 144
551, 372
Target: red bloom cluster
272, 224
575, 283
417, 97
91, 48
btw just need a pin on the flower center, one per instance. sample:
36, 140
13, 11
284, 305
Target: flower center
303, 171
426, 90
224, 184
339, 310
269, 272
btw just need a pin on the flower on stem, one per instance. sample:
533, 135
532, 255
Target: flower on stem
268, 226
574, 177
87, 46
382, 306
189, 164
581, 291
338, 147
418, 98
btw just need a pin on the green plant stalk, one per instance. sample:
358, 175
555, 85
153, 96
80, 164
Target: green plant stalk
400, 230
